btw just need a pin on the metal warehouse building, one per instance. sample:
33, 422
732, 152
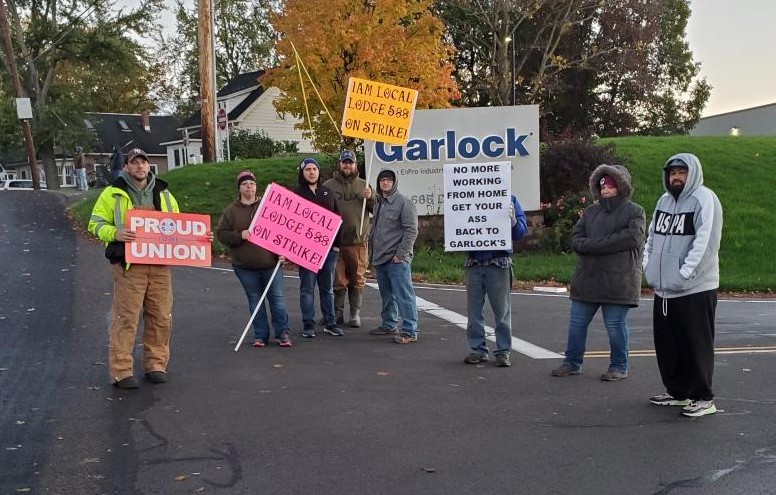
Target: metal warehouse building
755, 121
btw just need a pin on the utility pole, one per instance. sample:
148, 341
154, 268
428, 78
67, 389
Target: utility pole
206, 85
17, 86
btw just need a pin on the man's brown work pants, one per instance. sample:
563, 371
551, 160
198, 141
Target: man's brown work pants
147, 288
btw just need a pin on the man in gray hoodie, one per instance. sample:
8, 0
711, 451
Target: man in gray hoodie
393, 235
681, 262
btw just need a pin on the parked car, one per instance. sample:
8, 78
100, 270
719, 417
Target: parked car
19, 184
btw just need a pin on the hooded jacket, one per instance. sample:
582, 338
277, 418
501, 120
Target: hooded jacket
110, 210
348, 193
608, 240
395, 226
323, 196
681, 256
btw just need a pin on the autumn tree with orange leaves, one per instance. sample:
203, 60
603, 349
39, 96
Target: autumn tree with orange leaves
398, 42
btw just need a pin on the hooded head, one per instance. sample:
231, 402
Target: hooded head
615, 173
693, 180
307, 163
386, 174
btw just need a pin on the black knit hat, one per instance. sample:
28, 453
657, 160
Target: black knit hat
245, 175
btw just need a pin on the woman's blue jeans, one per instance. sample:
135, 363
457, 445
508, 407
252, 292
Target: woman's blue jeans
325, 281
615, 321
394, 280
254, 282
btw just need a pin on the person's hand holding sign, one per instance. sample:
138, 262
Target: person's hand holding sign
512, 217
125, 235
367, 192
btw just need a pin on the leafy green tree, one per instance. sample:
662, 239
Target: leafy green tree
76, 56
393, 41
606, 67
244, 41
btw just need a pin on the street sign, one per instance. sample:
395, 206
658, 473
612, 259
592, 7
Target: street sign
222, 118
24, 108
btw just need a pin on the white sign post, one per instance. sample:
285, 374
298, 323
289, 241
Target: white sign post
476, 201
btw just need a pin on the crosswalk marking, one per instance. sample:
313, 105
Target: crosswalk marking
518, 345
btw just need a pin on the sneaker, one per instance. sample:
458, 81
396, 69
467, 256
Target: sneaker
156, 376
565, 370
355, 322
405, 338
285, 340
308, 332
335, 330
503, 361
384, 331
126, 383
697, 408
614, 375
666, 399
258, 343
475, 358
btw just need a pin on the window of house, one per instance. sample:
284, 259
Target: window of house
177, 157
124, 127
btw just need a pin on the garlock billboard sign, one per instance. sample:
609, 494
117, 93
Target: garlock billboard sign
460, 136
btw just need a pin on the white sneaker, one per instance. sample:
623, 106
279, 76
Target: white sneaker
666, 399
699, 408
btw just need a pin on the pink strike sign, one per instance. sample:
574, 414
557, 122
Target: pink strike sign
291, 226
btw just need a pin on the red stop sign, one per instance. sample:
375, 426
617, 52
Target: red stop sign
222, 119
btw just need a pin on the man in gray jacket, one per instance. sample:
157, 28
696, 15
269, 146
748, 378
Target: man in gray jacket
394, 231
681, 262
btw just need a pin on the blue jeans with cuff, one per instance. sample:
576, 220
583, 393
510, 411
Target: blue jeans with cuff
615, 316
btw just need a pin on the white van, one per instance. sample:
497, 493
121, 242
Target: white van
19, 185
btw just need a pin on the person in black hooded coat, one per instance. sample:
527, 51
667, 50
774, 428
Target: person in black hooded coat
608, 239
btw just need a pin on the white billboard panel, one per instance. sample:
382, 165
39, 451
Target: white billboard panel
461, 136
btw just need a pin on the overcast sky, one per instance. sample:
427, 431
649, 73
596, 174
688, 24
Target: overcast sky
735, 43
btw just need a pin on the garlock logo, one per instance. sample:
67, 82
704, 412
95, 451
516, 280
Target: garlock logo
450, 147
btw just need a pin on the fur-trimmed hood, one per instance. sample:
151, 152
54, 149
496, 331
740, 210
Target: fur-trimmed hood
620, 175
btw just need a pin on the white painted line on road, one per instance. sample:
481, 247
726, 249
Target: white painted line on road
518, 345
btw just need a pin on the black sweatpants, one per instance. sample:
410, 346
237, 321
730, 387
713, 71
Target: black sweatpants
684, 343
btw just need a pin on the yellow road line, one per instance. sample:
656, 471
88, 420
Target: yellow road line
718, 350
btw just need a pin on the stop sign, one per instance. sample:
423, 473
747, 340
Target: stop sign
222, 119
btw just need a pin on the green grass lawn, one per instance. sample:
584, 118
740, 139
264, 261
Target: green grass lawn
741, 170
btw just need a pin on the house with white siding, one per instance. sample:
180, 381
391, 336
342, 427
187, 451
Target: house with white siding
755, 121
249, 106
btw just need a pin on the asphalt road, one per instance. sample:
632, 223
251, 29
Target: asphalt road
349, 415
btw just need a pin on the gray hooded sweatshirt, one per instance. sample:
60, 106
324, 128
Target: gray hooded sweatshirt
681, 256
395, 227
